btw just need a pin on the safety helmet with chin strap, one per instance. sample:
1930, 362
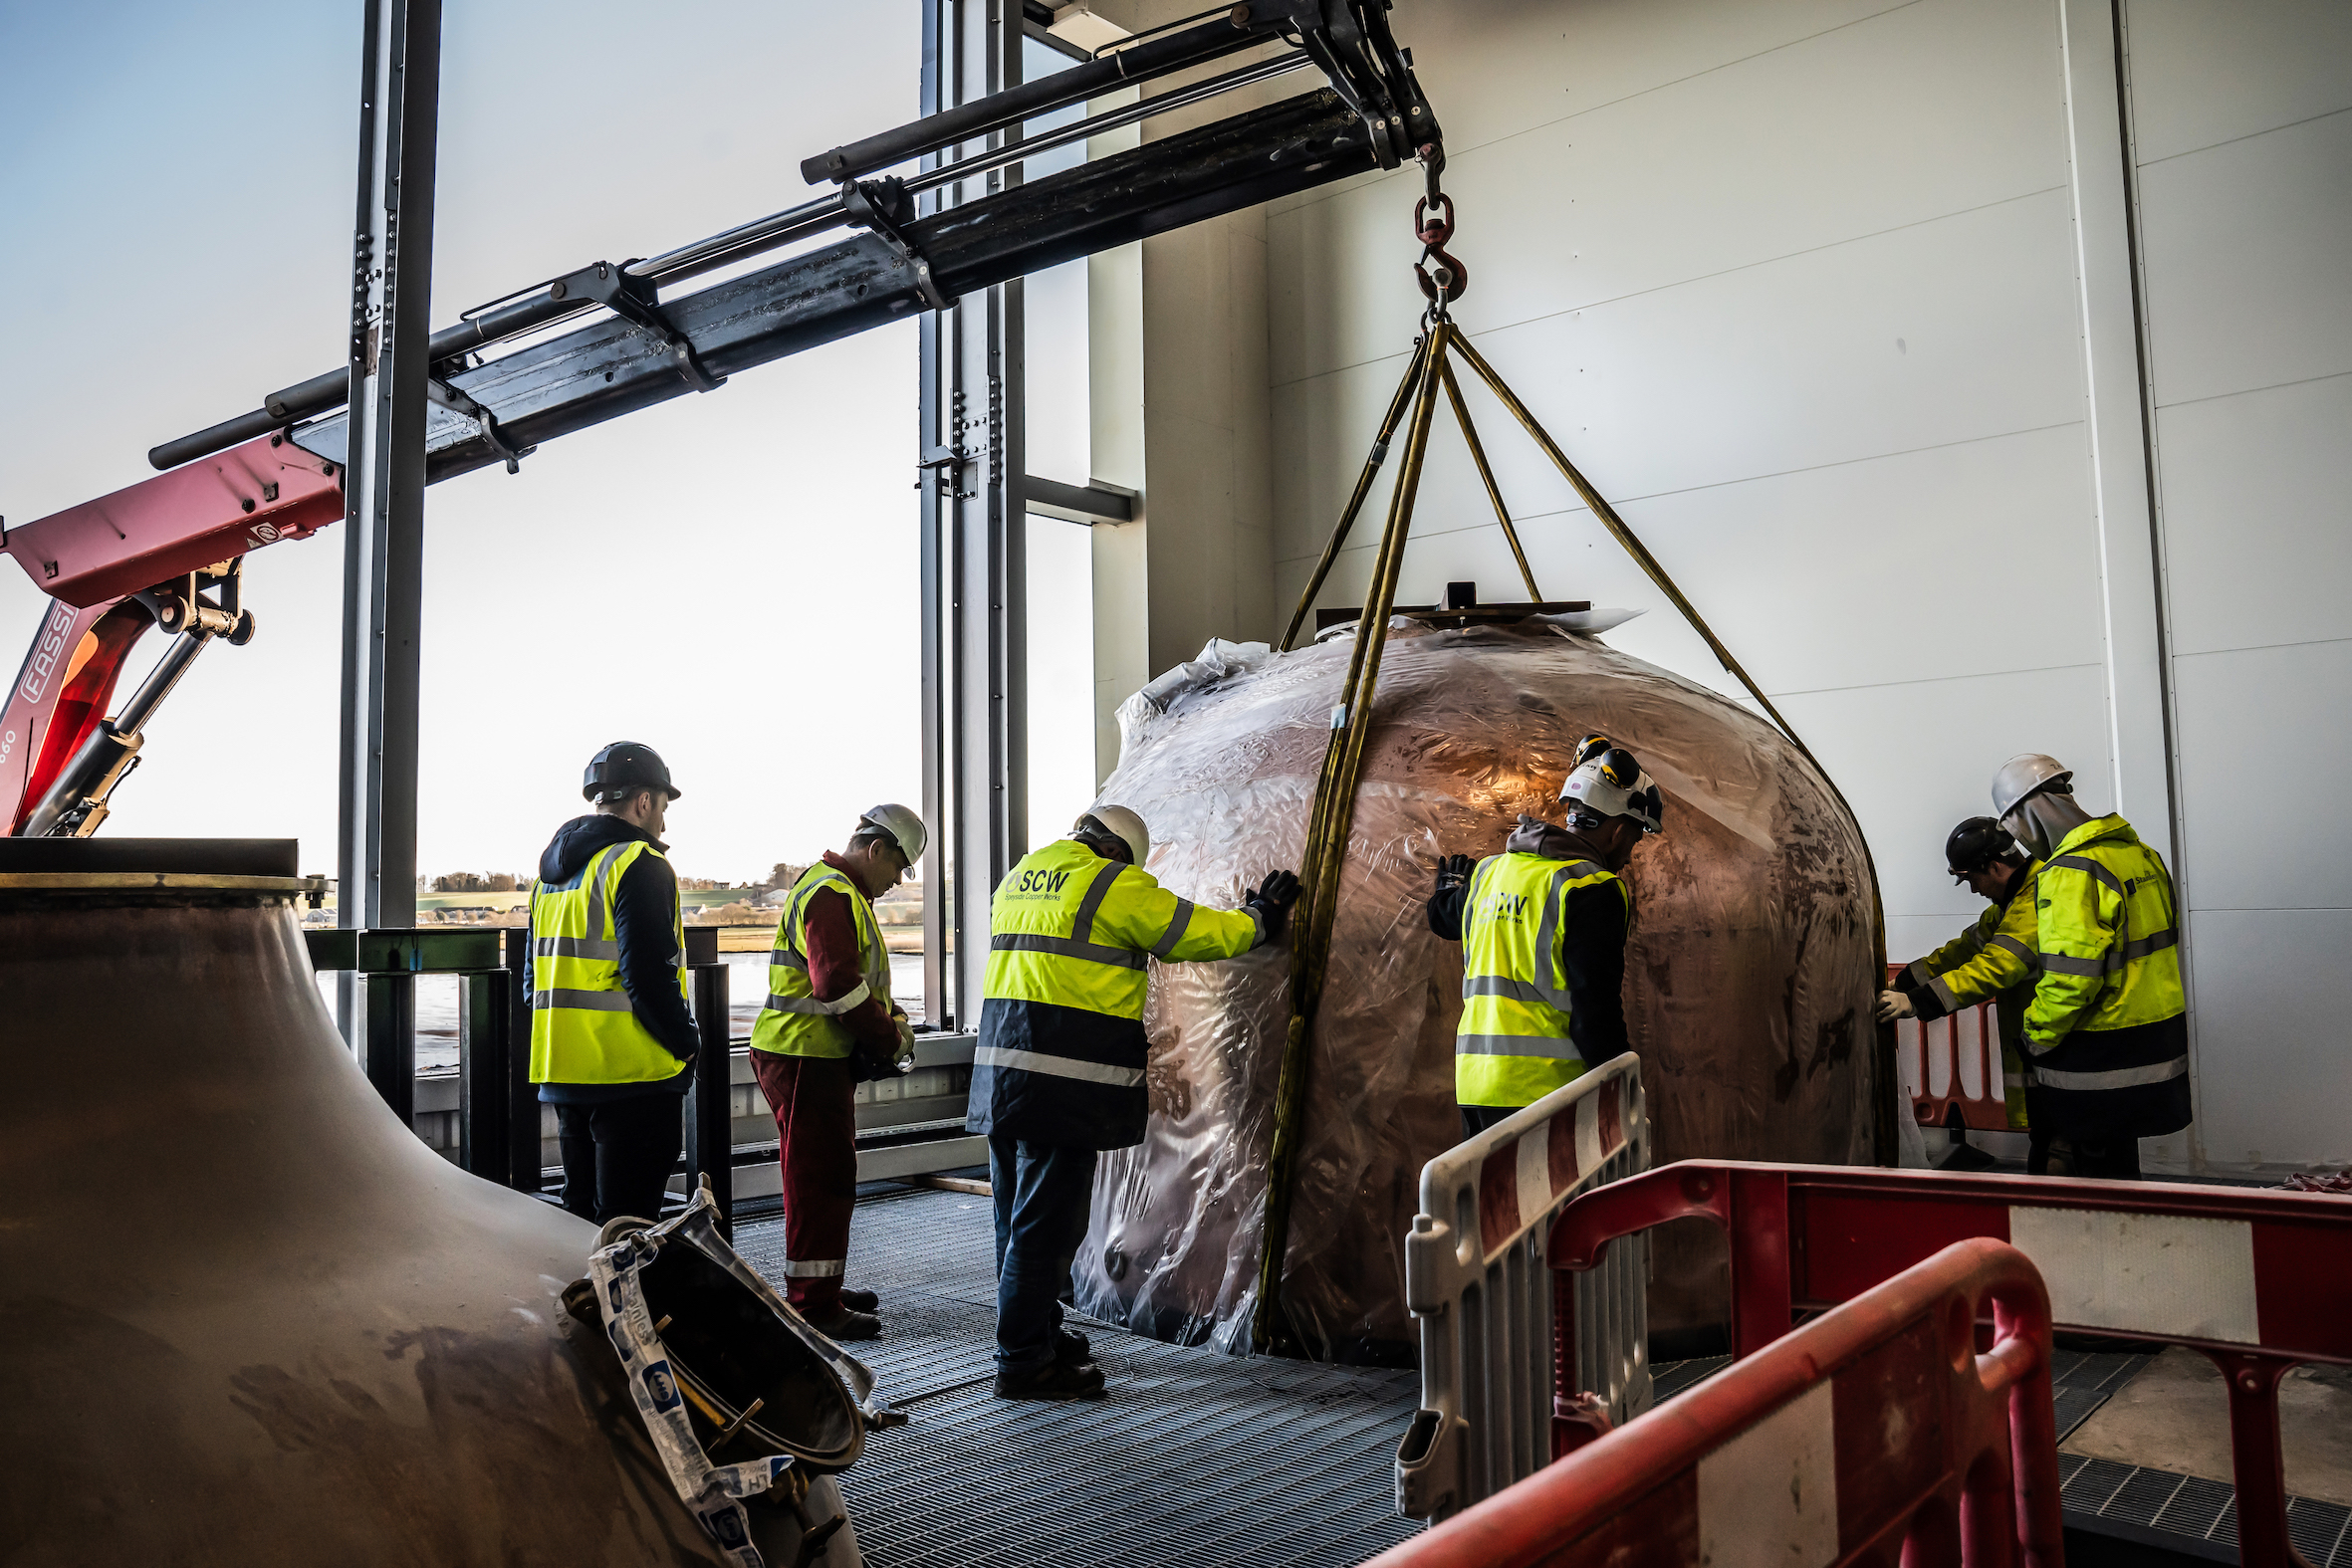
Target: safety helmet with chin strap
1608, 781
1115, 822
903, 828
2023, 774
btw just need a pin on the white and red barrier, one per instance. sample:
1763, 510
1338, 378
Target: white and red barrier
1954, 1063
1874, 1435
1478, 1281
2255, 1280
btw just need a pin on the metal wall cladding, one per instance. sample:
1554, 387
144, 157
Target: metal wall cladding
1749, 973
248, 1318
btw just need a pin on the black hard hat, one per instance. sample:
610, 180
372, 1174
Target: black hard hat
626, 765
1976, 844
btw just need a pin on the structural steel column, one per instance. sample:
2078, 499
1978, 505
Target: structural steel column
977, 744
383, 536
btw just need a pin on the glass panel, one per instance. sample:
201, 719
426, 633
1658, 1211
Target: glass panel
1061, 675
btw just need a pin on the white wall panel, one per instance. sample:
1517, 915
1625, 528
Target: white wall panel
2265, 753
1915, 759
2255, 492
2273, 1078
2247, 247
1785, 152
1915, 561
1947, 332
2203, 73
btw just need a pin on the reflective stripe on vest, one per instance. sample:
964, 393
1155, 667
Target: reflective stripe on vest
1041, 947
583, 1028
794, 1022
2136, 980
1513, 1045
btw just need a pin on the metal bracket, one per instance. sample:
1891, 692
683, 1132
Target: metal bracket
636, 301
882, 205
949, 462
457, 402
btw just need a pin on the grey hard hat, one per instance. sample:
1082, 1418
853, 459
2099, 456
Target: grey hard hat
2021, 776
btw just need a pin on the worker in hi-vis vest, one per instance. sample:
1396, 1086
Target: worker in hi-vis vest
1994, 958
1057, 1074
1542, 931
612, 1044
2106, 1034
828, 1023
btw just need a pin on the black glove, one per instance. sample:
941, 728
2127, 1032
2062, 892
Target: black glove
1273, 901
1453, 871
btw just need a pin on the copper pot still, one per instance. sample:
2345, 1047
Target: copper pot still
1749, 973
247, 1317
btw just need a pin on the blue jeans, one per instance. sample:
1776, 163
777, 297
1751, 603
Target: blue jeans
1042, 1191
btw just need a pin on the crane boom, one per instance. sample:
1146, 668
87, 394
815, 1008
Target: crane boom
148, 555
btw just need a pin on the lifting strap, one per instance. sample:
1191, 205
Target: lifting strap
1334, 813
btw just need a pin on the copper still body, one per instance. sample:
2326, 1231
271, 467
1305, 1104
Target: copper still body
1749, 973
247, 1316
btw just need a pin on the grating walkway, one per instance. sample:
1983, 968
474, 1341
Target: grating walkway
1194, 1458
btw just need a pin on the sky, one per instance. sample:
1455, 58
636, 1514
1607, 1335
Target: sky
730, 578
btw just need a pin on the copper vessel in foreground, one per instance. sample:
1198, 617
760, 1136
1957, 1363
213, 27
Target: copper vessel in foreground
245, 1315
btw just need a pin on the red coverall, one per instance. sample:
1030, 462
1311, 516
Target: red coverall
816, 1112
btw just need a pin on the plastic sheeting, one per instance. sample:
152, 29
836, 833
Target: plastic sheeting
1749, 970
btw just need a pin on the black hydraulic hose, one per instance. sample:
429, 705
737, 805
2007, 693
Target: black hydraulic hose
1140, 62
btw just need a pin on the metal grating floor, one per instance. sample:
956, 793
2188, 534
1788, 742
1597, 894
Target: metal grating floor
1194, 1457
2191, 1505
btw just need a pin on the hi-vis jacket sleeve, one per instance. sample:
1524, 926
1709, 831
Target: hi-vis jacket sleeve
2003, 957
1139, 913
2078, 917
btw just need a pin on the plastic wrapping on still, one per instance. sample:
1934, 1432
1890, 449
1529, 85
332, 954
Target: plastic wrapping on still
1749, 973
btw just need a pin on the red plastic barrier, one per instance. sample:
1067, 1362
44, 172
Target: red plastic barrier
1874, 1435
2255, 1280
1956, 1047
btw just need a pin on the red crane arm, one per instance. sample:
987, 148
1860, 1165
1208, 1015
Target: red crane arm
108, 568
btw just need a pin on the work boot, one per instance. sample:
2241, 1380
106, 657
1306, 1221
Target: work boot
860, 1301
1055, 1380
849, 1324
1072, 1349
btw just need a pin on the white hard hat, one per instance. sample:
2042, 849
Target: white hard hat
1122, 824
2021, 776
1609, 781
906, 830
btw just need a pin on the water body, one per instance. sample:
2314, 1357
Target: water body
746, 987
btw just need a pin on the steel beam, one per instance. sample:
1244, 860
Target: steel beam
383, 553
972, 438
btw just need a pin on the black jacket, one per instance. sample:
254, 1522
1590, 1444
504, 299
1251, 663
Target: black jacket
1592, 942
644, 920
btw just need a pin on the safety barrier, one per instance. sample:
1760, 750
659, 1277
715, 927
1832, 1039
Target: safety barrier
1476, 1277
1954, 1063
2255, 1280
1875, 1433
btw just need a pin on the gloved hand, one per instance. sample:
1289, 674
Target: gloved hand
904, 1061
1273, 901
1453, 871
1893, 1005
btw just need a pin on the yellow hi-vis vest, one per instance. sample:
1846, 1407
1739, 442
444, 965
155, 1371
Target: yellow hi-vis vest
1513, 1047
794, 1022
582, 1029
1072, 929
1994, 959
